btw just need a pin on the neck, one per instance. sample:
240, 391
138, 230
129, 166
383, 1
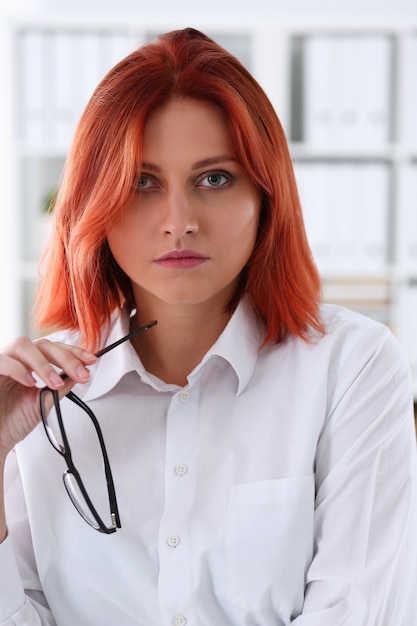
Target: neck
182, 337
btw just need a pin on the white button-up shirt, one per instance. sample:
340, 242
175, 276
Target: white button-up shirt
276, 487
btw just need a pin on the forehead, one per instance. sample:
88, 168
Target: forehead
191, 125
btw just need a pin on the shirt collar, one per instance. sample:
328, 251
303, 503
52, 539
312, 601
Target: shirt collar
113, 366
238, 344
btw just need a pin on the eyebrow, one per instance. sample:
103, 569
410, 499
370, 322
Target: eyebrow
199, 164
213, 161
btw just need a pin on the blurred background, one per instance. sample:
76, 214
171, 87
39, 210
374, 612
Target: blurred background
342, 76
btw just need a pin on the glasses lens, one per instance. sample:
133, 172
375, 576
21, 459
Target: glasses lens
83, 504
79, 443
50, 420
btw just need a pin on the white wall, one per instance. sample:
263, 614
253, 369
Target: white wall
312, 7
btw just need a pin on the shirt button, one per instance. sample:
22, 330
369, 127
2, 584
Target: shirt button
179, 620
184, 396
173, 541
181, 469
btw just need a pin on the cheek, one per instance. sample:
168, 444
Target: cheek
114, 239
123, 243
247, 223
125, 232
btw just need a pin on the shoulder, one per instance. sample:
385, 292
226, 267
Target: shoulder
351, 334
335, 318
363, 354
351, 347
348, 331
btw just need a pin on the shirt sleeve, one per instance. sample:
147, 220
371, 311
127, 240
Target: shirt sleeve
364, 568
12, 596
22, 602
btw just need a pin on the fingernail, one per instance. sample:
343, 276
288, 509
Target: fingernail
56, 379
29, 379
82, 373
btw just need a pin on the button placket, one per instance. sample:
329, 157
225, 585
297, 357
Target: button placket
174, 558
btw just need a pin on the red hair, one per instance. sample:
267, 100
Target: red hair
82, 284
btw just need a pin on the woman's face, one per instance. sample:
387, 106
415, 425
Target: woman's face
192, 224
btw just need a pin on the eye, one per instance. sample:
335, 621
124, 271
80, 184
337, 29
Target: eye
144, 182
214, 180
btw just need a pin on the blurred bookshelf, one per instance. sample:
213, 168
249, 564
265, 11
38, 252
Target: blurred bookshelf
346, 93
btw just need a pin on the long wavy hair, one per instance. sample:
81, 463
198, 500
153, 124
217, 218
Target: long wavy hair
82, 284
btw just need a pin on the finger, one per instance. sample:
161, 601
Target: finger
17, 371
31, 356
43, 357
73, 360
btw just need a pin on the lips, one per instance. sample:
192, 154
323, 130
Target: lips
181, 259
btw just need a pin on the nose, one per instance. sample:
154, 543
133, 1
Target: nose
179, 219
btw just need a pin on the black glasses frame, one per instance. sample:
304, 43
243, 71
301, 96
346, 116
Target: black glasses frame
65, 449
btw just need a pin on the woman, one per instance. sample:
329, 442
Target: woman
257, 461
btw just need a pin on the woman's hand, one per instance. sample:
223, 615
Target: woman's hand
19, 395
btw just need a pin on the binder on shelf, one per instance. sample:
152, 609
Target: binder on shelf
34, 86
345, 207
411, 103
318, 72
344, 216
345, 99
87, 59
98, 53
347, 91
359, 217
407, 220
63, 86
60, 70
372, 193
374, 66
313, 184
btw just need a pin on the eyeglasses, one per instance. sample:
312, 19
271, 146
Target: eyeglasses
95, 502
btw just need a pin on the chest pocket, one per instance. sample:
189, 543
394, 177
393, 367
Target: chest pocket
269, 544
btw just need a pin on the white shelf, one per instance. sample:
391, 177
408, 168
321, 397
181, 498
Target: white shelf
388, 152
